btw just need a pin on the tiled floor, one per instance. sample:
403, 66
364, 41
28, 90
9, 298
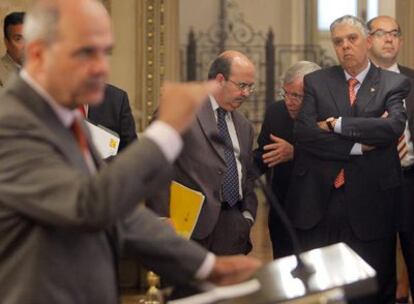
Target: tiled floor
262, 247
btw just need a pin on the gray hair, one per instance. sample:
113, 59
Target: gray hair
41, 22
300, 69
351, 20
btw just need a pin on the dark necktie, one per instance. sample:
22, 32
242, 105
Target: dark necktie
352, 83
230, 185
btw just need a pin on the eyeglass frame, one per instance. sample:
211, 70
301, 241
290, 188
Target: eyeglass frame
243, 86
380, 33
294, 96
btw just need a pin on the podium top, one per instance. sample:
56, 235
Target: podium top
336, 266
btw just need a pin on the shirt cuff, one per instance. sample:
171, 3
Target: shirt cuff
206, 267
338, 125
356, 149
166, 138
248, 215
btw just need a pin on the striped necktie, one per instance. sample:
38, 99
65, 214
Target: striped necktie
352, 83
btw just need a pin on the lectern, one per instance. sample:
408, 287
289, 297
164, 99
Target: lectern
339, 274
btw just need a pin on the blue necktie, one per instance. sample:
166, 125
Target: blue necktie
231, 178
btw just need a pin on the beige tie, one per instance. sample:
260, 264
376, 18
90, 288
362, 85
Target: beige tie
402, 147
352, 83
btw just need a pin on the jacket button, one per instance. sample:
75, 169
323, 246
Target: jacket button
219, 172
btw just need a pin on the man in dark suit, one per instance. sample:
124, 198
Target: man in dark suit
63, 221
274, 154
224, 222
346, 174
386, 42
114, 113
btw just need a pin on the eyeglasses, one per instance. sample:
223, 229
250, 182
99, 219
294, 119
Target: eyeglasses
243, 86
381, 33
286, 94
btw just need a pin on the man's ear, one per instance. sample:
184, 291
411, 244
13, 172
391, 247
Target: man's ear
369, 42
35, 51
220, 79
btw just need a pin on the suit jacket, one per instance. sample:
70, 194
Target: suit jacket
61, 229
7, 68
406, 204
201, 166
115, 114
409, 100
277, 122
372, 178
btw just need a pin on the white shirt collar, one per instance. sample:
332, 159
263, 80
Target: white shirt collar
65, 115
361, 76
214, 103
394, 68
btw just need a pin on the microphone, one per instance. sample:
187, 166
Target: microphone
302, 271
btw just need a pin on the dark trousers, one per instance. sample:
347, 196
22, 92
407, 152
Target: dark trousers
281, 242
406, 223
231, 235
380, 254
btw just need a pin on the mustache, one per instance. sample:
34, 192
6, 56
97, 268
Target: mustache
240, 99
95, 81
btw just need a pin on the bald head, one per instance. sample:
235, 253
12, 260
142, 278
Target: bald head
47, 17
385, 35
67, 48
236, 74
222, 64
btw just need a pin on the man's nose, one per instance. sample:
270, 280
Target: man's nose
100, 64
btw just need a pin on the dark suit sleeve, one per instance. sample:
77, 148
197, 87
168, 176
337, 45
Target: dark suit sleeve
250, 199
127, 123
263, 140
379, 131
311, 138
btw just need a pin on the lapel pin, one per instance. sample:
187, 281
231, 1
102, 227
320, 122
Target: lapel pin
372, 90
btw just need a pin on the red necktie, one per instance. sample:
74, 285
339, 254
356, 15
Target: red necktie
77, 131
81, 109
352, 83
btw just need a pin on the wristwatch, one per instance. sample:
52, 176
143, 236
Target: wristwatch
330, 123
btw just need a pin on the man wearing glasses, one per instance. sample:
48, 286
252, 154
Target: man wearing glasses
222, 171
386, 38
274, 154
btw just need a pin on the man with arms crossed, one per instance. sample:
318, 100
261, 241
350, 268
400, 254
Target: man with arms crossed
347, 174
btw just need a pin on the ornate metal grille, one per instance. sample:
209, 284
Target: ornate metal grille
232, 31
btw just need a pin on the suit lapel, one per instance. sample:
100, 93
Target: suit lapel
61, 137
368, 89
339, 91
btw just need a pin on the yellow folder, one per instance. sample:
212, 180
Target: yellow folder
185, 207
